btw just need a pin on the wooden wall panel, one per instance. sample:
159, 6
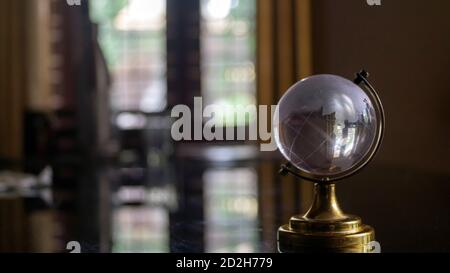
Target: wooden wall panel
12, 77
39, 60
304, 42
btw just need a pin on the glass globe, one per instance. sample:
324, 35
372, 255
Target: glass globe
326, 126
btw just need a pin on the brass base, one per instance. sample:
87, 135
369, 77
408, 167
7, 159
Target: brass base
324, 228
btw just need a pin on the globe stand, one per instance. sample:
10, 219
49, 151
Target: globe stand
324, 227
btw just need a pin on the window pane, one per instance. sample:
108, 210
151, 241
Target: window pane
228, 55
132, 36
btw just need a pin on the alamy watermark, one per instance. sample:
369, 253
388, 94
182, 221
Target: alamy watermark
73, 2
216, 122
374, 2
74, 247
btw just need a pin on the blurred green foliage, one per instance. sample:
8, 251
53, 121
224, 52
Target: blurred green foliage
104, 11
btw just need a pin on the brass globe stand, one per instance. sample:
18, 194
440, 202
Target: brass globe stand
324, 227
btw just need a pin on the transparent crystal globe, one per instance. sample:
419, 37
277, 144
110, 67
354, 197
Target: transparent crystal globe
325, 125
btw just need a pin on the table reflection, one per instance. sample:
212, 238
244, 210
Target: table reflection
198, 205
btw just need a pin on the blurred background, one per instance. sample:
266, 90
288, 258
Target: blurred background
86, 92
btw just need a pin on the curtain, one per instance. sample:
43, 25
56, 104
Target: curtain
284, 57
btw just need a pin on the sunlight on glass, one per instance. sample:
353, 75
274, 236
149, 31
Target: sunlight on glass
216, 9
351, 140
141, 15
228, 58
132, 38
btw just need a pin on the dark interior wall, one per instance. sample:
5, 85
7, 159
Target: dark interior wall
405, 45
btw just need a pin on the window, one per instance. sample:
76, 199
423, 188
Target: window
228, 56
132, 37
132, 34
